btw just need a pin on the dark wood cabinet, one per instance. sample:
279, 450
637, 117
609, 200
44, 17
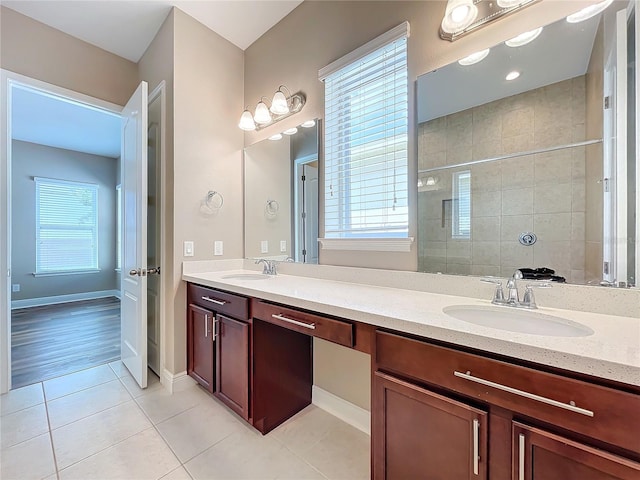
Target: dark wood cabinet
200, 345
421, 434
232, 364
541, 455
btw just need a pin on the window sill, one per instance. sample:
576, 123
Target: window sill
54, 274
368, 244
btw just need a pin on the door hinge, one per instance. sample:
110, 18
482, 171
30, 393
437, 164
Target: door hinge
304, 214
607, 102
606, 184
304, 252
304, 178
605, 268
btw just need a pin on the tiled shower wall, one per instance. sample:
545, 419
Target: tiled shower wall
542, 193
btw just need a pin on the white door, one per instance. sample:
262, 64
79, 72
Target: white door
133, 309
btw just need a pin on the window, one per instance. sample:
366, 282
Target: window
461, 224
366, 134
66, 226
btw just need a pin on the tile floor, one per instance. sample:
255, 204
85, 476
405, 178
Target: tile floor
97, 424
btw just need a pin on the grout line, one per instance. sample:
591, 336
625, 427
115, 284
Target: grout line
53, 449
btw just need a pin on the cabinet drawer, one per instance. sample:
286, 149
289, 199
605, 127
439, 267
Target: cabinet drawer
330, 329
603, 413
219, 302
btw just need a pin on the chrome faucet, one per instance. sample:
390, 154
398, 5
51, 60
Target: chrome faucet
270, 266
512, 288
513, 299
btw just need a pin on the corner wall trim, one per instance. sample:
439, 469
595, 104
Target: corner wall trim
176, 382
346, 411
73, 297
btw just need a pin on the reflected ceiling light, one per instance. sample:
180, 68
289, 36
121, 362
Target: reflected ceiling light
308, 124
512, 75
524, 38
277, 136
588, 12
474, 57
282, 106
458, 15
246, 121
509, 3
290, 131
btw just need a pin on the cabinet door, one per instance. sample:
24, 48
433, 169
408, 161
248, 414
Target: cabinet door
233, 364
540, 455
200, 342
418, 434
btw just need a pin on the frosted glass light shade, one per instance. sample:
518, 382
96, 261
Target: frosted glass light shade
308, 124
290, 131
524, 38
474, 57
277, 136
279, 105
509, 3
458, 15
588, 12
262, 114
246, 121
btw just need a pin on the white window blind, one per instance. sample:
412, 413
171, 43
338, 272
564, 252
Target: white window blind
461, 224
366, 134
66, 226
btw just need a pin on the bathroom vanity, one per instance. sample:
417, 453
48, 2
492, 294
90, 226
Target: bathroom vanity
449, 399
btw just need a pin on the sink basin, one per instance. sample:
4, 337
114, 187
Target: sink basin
245, 276
516, 320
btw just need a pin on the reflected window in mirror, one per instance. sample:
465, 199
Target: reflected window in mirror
539, 153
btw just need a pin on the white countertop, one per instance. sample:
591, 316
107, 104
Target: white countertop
612, 352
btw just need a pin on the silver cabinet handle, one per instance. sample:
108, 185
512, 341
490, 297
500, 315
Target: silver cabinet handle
311, 326
213, 300
206, 329
476, 445
522, 393
521, 456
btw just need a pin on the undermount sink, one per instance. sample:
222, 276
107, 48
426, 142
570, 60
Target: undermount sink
246, 276
517, 320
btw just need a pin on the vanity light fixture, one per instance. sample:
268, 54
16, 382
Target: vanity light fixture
308, 124
474, 57
277, 136
458, 15
588, 12
512, 75
524, 38
509, 3
281, 107
290, 131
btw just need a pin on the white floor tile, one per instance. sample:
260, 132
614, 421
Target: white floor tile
193, 431
143, 456
119, 369
20, 398
23, 425
160, 405
32, 459
74, 382
80, 439
178, 474
86, 402
153, 384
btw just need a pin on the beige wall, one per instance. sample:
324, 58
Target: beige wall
542, 193
38, 51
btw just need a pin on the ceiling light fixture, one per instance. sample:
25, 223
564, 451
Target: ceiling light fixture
588, 12
474, 57
282, 106
524, 38
509, 3
512, 75
458, 15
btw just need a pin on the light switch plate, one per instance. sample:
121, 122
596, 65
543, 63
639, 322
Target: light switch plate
188, 249
283, 246
264, 246
217, 247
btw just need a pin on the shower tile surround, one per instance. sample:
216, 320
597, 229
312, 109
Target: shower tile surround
542, 193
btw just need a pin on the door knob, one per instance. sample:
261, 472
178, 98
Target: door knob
133, 272
153, 271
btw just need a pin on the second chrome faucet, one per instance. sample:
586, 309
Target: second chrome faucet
513, 298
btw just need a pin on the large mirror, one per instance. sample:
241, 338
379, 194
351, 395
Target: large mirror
281, 196
534, 169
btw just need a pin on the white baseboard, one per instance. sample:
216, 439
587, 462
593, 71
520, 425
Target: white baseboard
346, 411
176, 382
73, 297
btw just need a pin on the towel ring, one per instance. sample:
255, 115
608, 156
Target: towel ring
214, 200
272, 207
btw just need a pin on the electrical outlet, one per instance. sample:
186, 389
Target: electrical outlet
283, 246
264, 246
217, 247
15, 287
188, 249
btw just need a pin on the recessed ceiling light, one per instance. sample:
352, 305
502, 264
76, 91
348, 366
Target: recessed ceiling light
524, 38
290, 131
308, 124
474, 57
588, 12
277, 136
512, 75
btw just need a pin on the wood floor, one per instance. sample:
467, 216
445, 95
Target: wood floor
55, 340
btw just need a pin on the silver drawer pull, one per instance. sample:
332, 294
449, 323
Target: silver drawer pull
522, 393
206, 328
213, 300
521, 456
311, 326
476, 445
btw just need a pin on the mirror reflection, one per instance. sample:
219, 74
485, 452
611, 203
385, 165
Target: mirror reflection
281, 196
518, 165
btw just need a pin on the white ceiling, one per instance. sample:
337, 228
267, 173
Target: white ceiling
126, 28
